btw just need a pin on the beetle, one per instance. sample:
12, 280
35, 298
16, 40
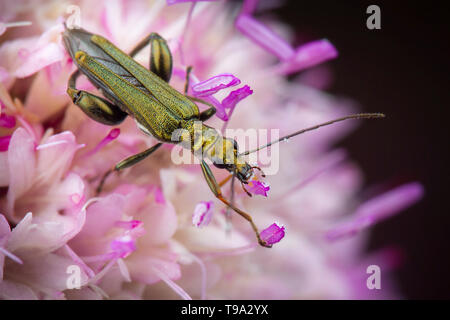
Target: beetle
129, 89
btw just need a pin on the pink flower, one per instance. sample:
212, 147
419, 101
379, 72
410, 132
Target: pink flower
258, 188
273, 234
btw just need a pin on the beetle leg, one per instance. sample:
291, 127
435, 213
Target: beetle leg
160, 56
128, 162
222, 183
213, 185
93, 106
188, 79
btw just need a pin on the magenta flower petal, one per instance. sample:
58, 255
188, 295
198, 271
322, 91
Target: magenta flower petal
309, 55
214, 84
202, 214
235, 96
258, 188
220, 109
249, 6
171, 2
4, 143
123, 246
378, 209
7, 121
128, 225
273, 234
264, 37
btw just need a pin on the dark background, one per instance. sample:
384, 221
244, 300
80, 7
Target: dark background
401, 70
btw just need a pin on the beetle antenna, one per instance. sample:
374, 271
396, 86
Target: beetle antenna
285, 138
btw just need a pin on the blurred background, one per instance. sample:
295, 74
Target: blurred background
401, 70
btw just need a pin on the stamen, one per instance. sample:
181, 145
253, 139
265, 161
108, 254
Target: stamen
112, 135
50, 144
11, 256
6, 25
178, 290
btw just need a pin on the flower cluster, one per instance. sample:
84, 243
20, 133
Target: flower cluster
140, 238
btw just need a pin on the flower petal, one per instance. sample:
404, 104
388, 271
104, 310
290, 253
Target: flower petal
235, 96
273, 234
378, 209
202, 214
264, 37
21, 159
55, 156
123, 246
258, 188
46, 51
214, 84
309, 55
249, 6
10, 290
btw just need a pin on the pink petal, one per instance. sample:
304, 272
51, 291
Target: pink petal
22, 163
39, 59
7, 121
47, 272
214, 84
123, 246
273, 234
264, 37
309, 55
236, 96
160, 221
142, 266
171, 2
128, 225
46, 51
249, 6
220, 109
377, 209
32, 237
258, 188
11, 290
202, 214
101, 216
4, 143
55, 156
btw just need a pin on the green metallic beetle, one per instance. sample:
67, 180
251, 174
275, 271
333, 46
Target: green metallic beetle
158, 109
